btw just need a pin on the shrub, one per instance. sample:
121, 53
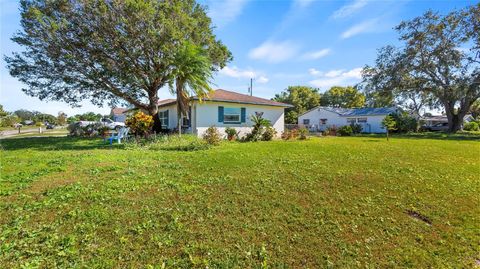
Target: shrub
231, 133
140, 123
290, 134
91, 130
332, 130
405, 122
303, 132
345, 130
356, 128
212, 136
471, 126
258, 128
269, 133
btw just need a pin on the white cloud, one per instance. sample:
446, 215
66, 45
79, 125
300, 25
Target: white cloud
337, 78
313, 55
363, 27
262, 79
235, 72
223, 12
274, 52
314, 72
349, 9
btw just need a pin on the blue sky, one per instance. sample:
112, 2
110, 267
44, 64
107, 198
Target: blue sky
278, 43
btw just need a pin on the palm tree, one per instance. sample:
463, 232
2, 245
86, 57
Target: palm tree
191, 74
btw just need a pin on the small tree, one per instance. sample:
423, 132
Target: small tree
389, 124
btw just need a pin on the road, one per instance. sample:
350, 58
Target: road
10, 133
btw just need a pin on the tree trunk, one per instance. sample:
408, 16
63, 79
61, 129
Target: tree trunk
455, 120
387, 134
180, 124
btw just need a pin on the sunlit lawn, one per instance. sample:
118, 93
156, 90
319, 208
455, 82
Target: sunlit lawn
340, 202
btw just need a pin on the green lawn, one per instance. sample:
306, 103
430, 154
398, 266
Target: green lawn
326, 202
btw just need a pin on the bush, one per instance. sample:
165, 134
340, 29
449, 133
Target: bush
290, 134
345, 130
471, 126
231, 133
91, 130
140, 123
269, 133
212, 136
405, 122
332, 130
303, 132
258, 128
356, 128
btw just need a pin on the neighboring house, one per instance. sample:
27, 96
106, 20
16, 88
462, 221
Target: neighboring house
429, 121
321, 118
119, 114
223, 109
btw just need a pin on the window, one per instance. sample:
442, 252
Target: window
231, 115
351, 120
163, 116
323, 121
361, 120
306, 121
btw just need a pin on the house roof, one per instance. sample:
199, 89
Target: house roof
221, 95
119, 110
365, 111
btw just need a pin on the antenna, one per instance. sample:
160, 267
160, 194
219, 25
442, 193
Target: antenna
251, 87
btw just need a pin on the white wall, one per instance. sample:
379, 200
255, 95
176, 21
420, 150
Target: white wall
373, 125
172, 115
206, 115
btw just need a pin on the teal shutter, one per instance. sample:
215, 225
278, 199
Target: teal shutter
243, 114
220, 114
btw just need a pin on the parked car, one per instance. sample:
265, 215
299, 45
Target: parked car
110, 124
49, 125
442, 126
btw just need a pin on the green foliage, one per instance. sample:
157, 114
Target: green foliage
61, 118
268, 133
259, 125
91, 130
471, 126
108, 51
302, 98
231, 133
346, 97
212, 136
140, 123
345, 130
83, 203
405, 122
356, 128
389, 123
303, 133
168, 143
331, 130
428, 69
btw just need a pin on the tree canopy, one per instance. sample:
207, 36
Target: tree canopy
347, 97
107, 51
436, 66
302, 98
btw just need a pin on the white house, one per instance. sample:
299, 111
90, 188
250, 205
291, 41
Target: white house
223, 109
321, 118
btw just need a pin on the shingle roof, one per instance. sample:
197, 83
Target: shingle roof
119, 110
365, 111
221, 95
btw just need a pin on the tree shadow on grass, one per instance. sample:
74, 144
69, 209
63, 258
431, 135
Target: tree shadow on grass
55, 143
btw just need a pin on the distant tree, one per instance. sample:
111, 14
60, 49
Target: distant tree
191, 76
3, 113
303, 98
389, 124
347, 97
43, 117
475, 109
61, 118
73, 119
89, 116
438, 64
107, 51
24, 114
7, 119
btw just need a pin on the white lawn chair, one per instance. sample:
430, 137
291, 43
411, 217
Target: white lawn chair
122, 134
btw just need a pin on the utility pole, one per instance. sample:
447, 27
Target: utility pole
251, 86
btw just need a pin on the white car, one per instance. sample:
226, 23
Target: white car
105, 122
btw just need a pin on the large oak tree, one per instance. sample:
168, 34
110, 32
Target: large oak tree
438, 64
303, 98
108, 51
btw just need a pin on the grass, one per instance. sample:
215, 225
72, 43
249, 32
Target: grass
326, 202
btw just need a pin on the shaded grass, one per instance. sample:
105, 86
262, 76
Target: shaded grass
339, 202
